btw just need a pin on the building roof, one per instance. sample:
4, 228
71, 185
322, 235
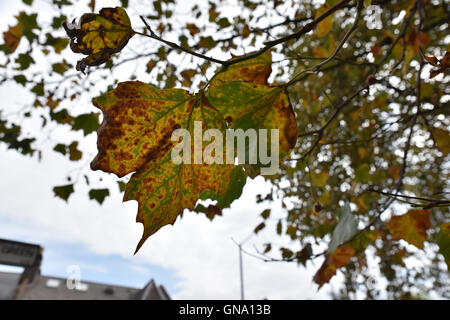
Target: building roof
54, 288
31, 285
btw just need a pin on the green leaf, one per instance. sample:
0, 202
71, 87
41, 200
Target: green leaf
61, 67
58, 21
63, 192
61, 116
38, 89
28, 22
236, 185
443, 241
87, 122
24, 60
207, 42
98, 194
223, 22
61, 148
21, 79
265, 214
11, 136
362, 173
279, 227
58, 44
292, 232
74, 153
211, 211
24, 27
286, 253
265, 108
319, 179
122, 186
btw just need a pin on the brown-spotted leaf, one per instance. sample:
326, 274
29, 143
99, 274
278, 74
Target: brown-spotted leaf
339, 258
135, 136
99, 35
411, 227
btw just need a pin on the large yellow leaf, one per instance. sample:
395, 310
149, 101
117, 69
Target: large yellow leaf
136, 132
411, 227
135, 136
99, 35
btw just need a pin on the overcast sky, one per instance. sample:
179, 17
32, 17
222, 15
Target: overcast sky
194, 259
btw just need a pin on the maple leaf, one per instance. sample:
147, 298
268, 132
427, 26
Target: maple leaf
99, 35
411, 227
135, 136
63, 192
339, 258
24, 28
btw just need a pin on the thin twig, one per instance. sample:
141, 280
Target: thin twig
174, 45
269, 44
434, 201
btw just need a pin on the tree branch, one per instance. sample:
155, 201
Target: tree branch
432, 202
269, 44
